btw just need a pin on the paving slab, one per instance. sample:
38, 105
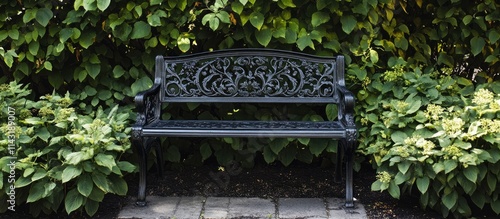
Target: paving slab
290, 208
189, 208
251, 207
216, 207
335, 208
156, 208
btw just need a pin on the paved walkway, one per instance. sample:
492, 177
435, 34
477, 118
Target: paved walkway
241, 208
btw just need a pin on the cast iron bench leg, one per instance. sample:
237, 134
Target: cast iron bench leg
141, 196
349, 154
159, 156
338, 164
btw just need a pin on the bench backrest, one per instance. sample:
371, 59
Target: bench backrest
250, 75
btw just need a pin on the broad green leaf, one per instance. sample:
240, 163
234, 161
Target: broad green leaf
93, 69
264, 36
278, 144
118, 185
154, 20
126, 166
39, 174
496, 206
237, 7
269, 155
404, 166
331, 112
85, 184
47, 65
91, 207
105, 160
477, 45
28, 171
155, 2
423, 184
492, 181
257, 19
100, 180
394, 190
118, 71
141, 30
450, 200
320, 4
65, 34
141, 84
43, 134
70, 172
36, 192
73, 201
173, 154
87, 39
14, 34
287, 155
29, 15
471, 173
33, 47
319, 18
287, 3
184, 44
43, 16
90, 90
493, 36
122, 31
103, 4
22, 182
398, 136
449, 165
96, 194
317, 145
223, 17
212, 20
304, 42
348, 23
104, 94
205, 151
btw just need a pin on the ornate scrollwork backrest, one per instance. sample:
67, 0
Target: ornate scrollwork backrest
240, 77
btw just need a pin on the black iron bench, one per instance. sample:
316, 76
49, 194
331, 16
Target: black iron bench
246, 76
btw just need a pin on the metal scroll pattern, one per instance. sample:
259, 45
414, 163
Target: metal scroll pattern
251, 76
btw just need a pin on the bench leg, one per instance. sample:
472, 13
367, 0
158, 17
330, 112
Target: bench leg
159, 156
338, 165
349, 156
141, 196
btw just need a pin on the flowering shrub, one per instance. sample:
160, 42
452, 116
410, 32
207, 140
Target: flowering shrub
52, 156
436, 134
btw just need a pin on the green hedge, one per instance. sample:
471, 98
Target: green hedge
435, 135
53, 156
102, 52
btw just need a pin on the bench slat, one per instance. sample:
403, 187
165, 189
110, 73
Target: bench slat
217, 128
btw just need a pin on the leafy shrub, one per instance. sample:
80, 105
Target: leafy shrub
436, 134
62, 157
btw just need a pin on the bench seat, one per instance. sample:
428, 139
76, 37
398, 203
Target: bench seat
231, 128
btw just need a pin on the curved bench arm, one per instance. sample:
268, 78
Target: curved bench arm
346, 107
147, 105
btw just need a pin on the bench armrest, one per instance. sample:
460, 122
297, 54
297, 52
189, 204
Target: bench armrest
346, 107
148, 105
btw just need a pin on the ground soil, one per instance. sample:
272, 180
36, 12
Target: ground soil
266, 181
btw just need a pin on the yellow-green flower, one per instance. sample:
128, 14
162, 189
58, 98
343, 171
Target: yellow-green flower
384, 177
434, 112
453, 126
483, 97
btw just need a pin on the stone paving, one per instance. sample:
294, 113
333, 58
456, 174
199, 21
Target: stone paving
241, 208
